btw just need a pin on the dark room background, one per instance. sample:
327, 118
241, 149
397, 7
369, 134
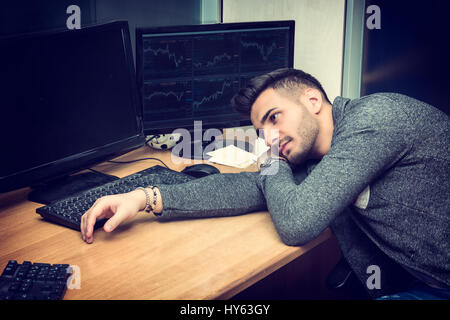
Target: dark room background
21, 16
410, 53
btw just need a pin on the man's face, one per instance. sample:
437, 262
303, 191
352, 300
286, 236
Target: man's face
287, 124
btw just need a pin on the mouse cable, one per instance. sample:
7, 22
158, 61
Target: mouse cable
132, 161
124, 162
96, 171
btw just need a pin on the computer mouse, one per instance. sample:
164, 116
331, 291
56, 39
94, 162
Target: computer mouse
200, 170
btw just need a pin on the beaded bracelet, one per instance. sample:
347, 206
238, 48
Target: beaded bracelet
148, 205
154, 199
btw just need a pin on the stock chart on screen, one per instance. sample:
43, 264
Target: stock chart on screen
194, 74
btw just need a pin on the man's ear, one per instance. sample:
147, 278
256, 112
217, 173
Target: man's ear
312, 98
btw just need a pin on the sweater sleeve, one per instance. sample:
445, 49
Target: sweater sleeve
357, 156
216, 195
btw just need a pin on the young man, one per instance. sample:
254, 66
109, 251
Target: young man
375, 169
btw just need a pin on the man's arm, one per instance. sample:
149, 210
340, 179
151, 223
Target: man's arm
214, 195
225, 194
357, 157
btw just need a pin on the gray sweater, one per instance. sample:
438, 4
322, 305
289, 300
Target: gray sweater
384, 188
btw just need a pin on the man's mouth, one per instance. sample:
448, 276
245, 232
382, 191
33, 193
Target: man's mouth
283, 147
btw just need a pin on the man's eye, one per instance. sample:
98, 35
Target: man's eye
274, 116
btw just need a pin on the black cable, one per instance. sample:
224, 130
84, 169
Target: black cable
132, 161
95, 171
125, 162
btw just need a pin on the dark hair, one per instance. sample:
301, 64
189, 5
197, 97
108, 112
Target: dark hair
286, 78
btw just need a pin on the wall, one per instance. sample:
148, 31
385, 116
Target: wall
319, 33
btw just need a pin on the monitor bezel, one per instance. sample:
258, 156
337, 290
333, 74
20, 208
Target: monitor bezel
221, 124
53, 170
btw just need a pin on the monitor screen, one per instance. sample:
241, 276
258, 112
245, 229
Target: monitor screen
69, 100
190, 73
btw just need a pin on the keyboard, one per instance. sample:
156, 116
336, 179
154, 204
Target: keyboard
68, 211
34, 281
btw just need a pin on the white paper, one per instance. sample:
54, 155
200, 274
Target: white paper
236, 157
232, 156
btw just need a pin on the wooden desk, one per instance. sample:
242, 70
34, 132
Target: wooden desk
145, 259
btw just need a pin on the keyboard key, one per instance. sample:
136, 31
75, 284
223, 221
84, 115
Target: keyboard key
10, 268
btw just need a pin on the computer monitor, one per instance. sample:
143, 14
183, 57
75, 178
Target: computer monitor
69, 100
190, 73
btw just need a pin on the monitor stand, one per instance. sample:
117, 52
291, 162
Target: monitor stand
66, 186
200, 148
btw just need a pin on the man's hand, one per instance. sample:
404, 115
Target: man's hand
117, 208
